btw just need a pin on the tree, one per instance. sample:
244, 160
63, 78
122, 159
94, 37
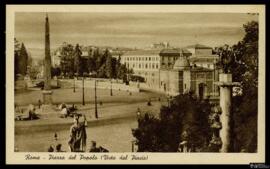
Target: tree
185, 113
55, 71
114, 67
16, 56
99, 58
101, 73
122, 72
22, 59
109, 67
244, 68
91, 64
67, 60
117, 67
246, 105
78, 60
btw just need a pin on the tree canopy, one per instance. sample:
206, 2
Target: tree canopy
97, 62
185, 115
21, 58
244, 69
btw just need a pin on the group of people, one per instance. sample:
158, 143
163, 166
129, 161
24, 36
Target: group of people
32, 112
67, 111
58, 148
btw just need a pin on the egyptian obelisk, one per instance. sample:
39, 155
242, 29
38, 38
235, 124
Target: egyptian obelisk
47, 93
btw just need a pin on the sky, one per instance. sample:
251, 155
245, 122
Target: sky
138, 30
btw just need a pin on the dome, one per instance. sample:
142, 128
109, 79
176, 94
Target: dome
181, 63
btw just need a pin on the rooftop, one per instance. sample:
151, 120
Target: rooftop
199, 46
141, 52
171, 51
181, 63
200, 69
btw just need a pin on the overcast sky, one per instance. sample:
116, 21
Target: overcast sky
130, 29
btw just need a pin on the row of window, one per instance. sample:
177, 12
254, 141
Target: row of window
132, 58
146, 74
143, 65
168, 58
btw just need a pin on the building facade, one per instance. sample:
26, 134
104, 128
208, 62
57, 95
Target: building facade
189, 69
144, 63
174, 71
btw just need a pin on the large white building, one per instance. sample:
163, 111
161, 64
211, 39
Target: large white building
144, 63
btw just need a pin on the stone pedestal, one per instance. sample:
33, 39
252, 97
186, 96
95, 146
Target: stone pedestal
225, 83
47, 97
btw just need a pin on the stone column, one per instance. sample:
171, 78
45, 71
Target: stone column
47, 93
225, 83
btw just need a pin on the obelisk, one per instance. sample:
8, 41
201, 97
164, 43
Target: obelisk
47, 93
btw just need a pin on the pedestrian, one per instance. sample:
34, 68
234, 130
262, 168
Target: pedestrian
93, 147
64, 112
50, 149
39, 103
149, 102
58, 148
32, 114
138, 113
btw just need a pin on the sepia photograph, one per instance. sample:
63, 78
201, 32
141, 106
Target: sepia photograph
135, 82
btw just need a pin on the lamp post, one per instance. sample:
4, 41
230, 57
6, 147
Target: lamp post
96, 112
83, 102
74, 84
111, 88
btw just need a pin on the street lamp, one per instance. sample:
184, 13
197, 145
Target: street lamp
74, 82
96, 112
83, 102
111, 88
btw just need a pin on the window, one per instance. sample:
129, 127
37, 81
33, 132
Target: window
153, 66
208, 65
139, 65
157, 66
185, 85
149, 59
146, 66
